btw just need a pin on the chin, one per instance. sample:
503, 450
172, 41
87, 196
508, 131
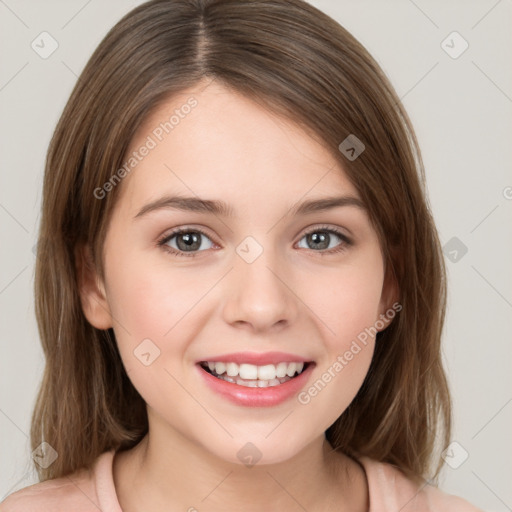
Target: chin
258, 450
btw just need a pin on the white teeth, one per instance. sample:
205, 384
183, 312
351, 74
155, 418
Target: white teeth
248, 371
267, 372
254, 376
281, 369
291, 369
220, 368
232, 369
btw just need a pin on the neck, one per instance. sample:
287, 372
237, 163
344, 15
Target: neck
166, 471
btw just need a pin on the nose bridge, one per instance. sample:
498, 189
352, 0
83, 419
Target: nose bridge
258, 294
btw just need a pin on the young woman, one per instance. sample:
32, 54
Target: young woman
240, 290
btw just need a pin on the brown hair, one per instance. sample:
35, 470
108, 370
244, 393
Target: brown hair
301, 64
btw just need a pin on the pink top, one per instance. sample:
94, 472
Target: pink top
90, 491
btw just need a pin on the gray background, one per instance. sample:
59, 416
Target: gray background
461, 109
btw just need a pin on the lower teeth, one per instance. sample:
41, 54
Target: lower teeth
253, 383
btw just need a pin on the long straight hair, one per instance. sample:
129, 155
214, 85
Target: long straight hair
300, 64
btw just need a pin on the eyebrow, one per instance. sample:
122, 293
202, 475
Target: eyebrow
220, 208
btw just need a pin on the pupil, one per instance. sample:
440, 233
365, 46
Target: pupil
321, 239
189, 241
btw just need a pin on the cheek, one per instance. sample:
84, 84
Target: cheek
146, 307
155, 310
149, 299
347, 313
347, 302
337, 383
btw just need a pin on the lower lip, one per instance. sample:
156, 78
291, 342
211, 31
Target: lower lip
257, 397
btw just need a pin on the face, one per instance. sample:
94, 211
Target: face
244, 279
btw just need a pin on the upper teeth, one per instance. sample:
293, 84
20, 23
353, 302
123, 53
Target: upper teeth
252, 372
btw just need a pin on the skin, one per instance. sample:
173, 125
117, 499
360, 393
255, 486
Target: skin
294, 298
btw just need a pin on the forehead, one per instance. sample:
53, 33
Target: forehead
210, 141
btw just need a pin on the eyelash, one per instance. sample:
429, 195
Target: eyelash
345, 241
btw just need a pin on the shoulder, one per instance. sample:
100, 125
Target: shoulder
77, 492
391, 489
74, 492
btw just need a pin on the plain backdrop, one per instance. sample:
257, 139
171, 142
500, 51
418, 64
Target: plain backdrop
460, 103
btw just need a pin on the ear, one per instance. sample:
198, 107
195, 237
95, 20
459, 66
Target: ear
389, 302
92, 290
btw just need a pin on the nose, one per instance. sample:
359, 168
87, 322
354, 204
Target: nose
259, 295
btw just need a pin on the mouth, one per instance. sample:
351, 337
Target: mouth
254, 376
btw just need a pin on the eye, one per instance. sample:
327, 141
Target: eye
189, 242
323, 239
182, 241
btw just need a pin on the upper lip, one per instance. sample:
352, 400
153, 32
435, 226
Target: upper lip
257, 359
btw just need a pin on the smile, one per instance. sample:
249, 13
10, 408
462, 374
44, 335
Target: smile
253, 379
253, 376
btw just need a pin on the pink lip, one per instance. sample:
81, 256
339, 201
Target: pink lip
258, 359
256, 397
